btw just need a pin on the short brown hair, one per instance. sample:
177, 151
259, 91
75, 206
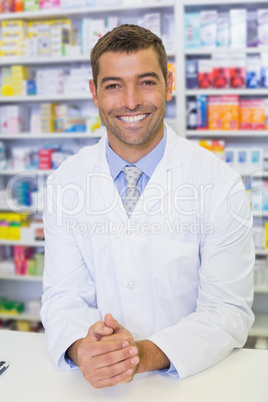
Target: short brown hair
127, 39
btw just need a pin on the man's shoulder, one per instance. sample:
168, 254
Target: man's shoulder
197, 162
76, 165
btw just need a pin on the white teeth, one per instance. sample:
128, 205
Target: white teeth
133, 119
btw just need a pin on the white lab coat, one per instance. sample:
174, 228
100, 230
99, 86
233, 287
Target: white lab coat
178, 272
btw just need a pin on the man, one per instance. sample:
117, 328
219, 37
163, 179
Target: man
148, 249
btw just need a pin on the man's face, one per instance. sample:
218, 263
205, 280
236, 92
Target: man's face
131, 96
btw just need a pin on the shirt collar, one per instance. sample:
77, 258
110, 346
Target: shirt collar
147, 164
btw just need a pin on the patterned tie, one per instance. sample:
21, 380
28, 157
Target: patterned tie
132, 176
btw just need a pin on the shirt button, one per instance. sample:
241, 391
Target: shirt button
131, 285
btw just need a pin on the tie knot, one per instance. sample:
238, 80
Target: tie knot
132, 173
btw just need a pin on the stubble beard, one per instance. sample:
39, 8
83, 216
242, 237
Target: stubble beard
132, 135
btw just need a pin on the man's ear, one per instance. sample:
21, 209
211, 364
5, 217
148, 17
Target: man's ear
93, 91
169, 86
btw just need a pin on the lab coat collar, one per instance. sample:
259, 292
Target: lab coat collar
170, 160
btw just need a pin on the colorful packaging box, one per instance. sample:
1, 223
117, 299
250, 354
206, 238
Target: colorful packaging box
45, 4
31, 5
191, 73
45, 158
252, 29
11, 119
47, 117
238, 71
223, 30
215, 146
13, 33
229, 112
262, 28
230, 156
214, 113
264, 70
192, 30
201, 103
221, 71
205, 73
253, 72
238, 28
208, 28
191, 114
252, 114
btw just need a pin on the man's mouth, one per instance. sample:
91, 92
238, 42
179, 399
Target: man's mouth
133, 119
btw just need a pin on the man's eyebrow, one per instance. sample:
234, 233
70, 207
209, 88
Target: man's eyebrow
149, 74
105, 79
144, 75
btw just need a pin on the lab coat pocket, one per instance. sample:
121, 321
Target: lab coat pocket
176, 267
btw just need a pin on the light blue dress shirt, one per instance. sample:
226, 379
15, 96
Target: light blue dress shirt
147, 165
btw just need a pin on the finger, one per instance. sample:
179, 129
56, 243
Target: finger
118, 368
97, 330
125, 376
89, 350
124, 337
112, 358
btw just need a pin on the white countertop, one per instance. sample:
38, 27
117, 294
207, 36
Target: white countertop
32, 377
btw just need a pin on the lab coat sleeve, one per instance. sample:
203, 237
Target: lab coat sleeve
223, 313
69, 300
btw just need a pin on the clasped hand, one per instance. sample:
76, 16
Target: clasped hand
108, 355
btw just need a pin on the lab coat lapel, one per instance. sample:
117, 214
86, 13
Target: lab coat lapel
103, 196
161, 182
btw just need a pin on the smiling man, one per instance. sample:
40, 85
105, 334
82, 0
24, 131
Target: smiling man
161, 292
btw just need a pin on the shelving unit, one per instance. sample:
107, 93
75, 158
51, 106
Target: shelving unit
234, 138
52, 98
81, 11
22, 317
26, 278
226, 134
50, 60
22, 286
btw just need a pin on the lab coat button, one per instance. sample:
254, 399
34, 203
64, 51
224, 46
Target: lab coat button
131, 285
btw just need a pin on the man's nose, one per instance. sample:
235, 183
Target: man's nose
131, 97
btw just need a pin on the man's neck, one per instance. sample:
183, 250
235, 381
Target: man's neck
133, 153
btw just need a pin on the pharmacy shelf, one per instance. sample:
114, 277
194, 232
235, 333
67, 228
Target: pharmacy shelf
31, 136
261, 289
23, 316
29, 172
261, 252
262, 174
260, 326
21, 209
212, 2
34, 243
225, 50
50, 60
227, 91
58, 12
260, 214
226, 133
26, 278
42, 60
48, 98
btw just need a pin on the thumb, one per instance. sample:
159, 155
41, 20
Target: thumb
112, 323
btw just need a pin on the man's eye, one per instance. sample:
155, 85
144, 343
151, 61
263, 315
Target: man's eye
148, 83
112, 86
